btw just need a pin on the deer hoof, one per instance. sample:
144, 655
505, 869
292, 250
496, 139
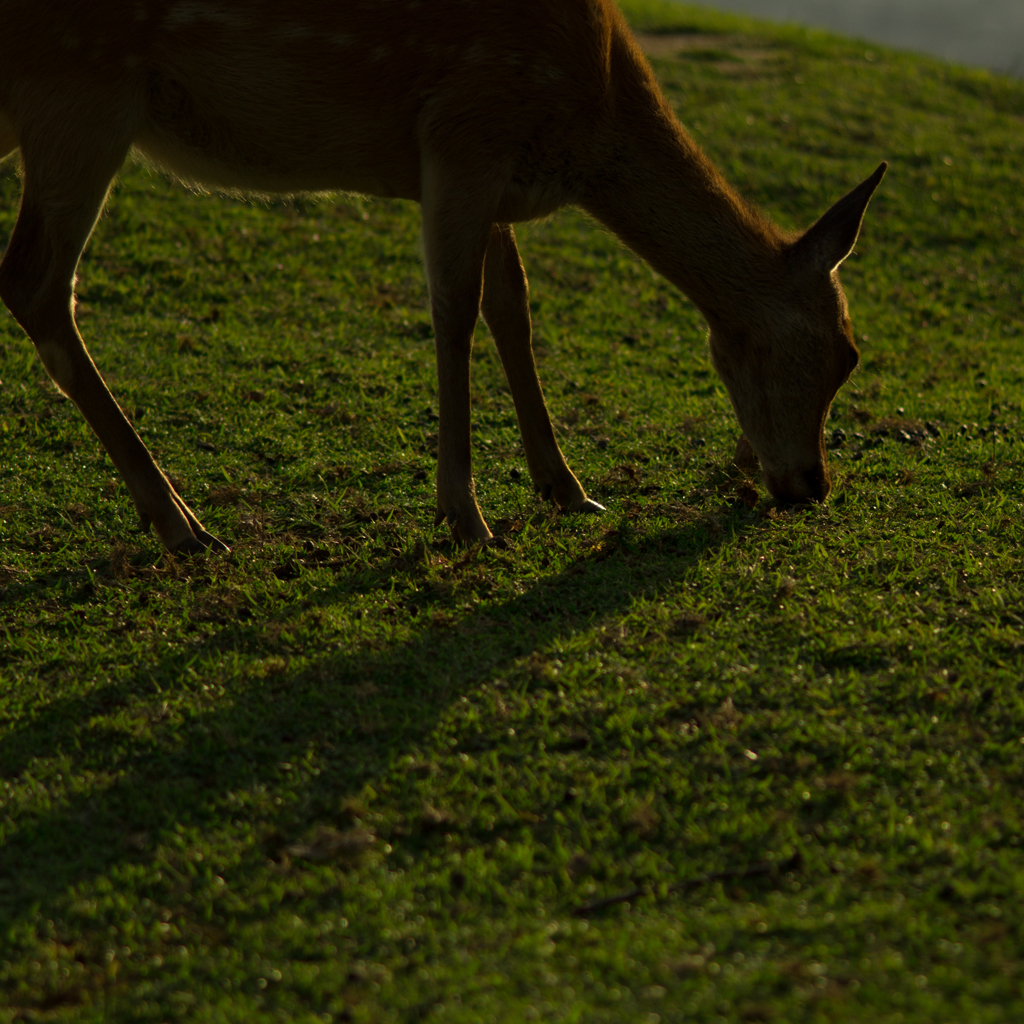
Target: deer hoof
465, 529
470, 533
189, 546
199, 544
469, 538
213, 543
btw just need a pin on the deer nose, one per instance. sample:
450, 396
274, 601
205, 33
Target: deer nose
802, 486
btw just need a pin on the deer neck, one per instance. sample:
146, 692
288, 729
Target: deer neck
664, 199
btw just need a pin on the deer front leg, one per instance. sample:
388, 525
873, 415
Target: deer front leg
62, 198
454, 243
506, 308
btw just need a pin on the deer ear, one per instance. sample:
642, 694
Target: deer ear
825, 245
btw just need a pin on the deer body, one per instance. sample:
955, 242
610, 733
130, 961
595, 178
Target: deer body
485, 112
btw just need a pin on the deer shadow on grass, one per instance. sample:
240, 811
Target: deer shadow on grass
362, 709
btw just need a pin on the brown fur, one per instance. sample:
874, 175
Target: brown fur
487, 113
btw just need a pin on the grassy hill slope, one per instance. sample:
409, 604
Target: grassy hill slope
699, 759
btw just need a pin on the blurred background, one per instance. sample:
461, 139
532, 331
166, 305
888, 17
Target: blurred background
982, 33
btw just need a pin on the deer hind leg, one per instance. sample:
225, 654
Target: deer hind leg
506, 309
64, 191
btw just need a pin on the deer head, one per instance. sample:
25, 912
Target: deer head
784, 362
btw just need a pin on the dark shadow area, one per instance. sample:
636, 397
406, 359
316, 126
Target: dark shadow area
361, 708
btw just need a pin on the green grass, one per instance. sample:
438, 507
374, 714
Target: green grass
349, 772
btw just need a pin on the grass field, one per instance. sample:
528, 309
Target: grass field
700, 759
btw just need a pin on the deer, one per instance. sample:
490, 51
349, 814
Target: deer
488, 114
